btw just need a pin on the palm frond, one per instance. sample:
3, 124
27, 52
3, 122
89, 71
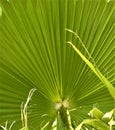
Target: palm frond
34, 54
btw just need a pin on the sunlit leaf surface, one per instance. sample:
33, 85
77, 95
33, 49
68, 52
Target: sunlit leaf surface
34, 54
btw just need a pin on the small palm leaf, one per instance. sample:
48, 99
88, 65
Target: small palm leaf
95, 123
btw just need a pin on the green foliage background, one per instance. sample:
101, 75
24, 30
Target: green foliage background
34, 54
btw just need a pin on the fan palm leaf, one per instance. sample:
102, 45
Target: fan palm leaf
34, 54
